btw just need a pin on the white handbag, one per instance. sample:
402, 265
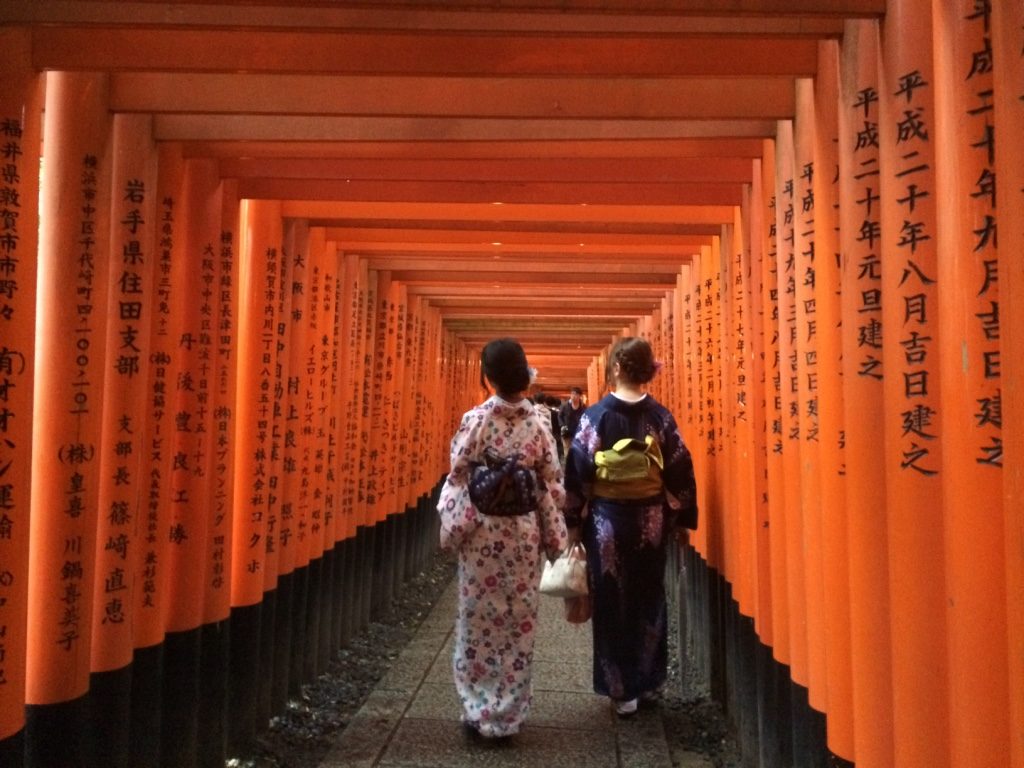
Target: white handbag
567, 575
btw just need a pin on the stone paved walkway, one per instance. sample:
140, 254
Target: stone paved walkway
412, 717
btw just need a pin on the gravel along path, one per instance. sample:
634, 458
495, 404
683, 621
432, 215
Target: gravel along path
699, 734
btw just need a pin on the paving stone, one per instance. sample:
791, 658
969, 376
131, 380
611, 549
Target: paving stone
443, 744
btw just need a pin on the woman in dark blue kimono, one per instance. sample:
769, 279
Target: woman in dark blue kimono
627, 520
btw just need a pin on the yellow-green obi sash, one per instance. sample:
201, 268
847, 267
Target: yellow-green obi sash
630, 469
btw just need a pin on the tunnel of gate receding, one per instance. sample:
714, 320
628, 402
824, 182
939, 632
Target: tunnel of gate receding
273, 238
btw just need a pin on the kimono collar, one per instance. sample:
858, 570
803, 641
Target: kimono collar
504, 408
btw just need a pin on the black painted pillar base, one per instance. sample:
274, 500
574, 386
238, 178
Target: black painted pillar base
835, 761
350, 591
278, 667
311, 621
401, 553
69, 719
300, 593
746, 695
378, 565
244, 675
146, 716
110, 698
367, 546
268, 648
179, 737
338, 597
774, 723
12, 750
809, 750
213, 701
388, 565
771, 715
326, 641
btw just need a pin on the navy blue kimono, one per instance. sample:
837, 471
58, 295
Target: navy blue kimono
625, 541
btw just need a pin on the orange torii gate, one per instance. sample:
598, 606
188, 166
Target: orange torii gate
229, 372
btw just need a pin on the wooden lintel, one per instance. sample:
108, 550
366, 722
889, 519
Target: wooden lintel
512, 275
368, 230
690, 98
442, 149
244, 49
520, 244
483, 192
534, 268
325, 210
549, 313
292, 128
578, 170
443, 289
822, 21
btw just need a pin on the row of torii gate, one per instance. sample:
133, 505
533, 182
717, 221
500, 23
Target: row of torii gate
223, 420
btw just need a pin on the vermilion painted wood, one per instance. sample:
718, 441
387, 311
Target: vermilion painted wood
643, 159
278, 314
971, 386
743, 465
790, 511
832, 442
561, 97
324, 362
369, 392
809, 20
69, 354
1008, 26
863, 407
761, 400
347, 396
227, 252
808, 395
293, 506
190, 397
123, 484
912, 354
259, 248
324, 212
21, 98
510, 55
709, 167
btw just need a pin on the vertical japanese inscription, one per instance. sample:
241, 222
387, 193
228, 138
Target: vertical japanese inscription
866, 262
981, 201
76, 455
124, 448
14, 369
223, 414
806, 347
917, 287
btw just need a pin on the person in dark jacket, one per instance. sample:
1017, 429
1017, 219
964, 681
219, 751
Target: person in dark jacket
554, 405
569, 415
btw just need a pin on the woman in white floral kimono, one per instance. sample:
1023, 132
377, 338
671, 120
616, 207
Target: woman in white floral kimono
501, 532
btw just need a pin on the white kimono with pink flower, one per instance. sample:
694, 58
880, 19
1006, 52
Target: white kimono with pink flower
500, 563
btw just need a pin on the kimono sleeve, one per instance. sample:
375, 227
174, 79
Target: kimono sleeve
554, 537
678, 473
579, 468
459, 517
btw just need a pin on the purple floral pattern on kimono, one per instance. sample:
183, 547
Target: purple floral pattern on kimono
626, 544
500, 561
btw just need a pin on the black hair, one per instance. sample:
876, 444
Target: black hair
503, 363
635, 359
577, 390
